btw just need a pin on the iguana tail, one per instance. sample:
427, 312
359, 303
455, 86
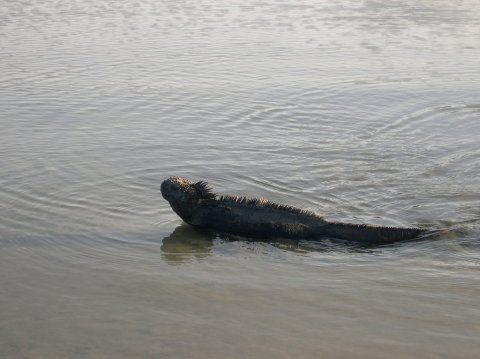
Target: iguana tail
368, 233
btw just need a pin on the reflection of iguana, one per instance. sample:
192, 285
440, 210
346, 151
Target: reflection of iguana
197, 205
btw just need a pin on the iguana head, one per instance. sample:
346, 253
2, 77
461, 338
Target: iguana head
184, 196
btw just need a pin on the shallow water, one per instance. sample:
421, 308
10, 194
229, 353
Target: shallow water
365, 112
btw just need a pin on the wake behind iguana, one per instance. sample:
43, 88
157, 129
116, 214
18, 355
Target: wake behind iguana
197, 205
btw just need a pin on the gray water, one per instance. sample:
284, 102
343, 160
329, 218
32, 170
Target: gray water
363, 111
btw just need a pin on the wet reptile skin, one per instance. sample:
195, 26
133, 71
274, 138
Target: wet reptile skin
197, 205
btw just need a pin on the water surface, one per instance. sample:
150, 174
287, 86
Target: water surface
365, 112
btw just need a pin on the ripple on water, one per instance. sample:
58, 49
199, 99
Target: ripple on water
69, 199
363, 112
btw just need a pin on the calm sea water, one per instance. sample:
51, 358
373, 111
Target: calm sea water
363, 111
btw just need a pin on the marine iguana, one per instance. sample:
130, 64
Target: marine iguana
197, 205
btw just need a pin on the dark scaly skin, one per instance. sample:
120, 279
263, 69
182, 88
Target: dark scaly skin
197, 205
